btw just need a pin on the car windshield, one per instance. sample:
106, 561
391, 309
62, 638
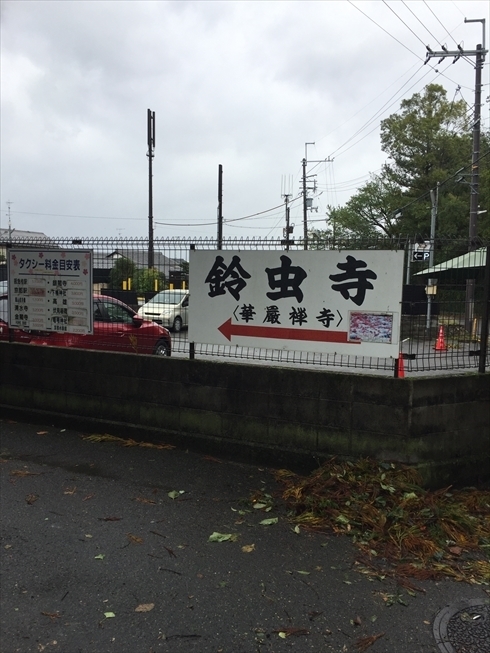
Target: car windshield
168, 297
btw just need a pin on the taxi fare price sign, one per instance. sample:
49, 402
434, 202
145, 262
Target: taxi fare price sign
346, 302
50, 290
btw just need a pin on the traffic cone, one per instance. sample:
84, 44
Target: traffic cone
440, 342
401, 367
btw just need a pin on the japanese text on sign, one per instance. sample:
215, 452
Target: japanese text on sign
338, 299
50, 290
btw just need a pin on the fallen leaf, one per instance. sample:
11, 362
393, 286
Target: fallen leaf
70, 490
125, 442
134, 538
42, 432
305, 573
222, 537
145, 500
144, 607
89, 496
456, 550
51, 615
23, 472
109, 615
174, 494
287, 632
268, 522
364, 643
259, 505
101, 556
31, 498
248, 548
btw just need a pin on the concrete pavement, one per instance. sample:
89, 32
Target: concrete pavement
105, 549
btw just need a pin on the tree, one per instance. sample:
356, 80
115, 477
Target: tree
148, 280
123, 270
427, 142
372, 210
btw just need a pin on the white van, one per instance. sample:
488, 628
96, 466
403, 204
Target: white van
168, 308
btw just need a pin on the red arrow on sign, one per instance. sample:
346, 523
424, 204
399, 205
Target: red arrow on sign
229, 329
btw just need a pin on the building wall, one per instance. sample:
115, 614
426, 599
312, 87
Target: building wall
281, 416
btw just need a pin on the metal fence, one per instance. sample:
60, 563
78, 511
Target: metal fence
444, 322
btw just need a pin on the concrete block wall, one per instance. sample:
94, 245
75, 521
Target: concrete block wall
277, 414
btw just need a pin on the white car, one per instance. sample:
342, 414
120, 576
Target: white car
168, 308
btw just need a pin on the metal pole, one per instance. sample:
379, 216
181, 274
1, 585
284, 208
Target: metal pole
151, 145
305, 210
220, 206
485, 316
474, 188
286, 200
434, 196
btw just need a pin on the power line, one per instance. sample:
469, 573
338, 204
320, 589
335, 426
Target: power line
417, 18
401, 19
85, 217
437, 18
384, 30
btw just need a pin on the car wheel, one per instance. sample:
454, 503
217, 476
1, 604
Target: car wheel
177, 324
162, 348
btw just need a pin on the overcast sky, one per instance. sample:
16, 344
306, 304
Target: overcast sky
243, 84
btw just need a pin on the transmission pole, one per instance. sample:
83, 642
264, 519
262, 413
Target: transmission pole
479, 54
150, 155
220, 206
304, 163
9, 203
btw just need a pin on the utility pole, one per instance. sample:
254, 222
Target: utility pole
479, 54
9, 203
220, 206
431, 286
304, 163
150, 155
288, 229
285, 187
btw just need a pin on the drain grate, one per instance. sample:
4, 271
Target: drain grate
464, 627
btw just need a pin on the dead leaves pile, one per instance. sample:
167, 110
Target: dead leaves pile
403, 529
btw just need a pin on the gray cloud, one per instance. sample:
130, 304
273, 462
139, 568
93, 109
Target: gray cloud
244, 84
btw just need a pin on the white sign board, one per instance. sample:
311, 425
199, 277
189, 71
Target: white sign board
50, 290
421, 251
345, 302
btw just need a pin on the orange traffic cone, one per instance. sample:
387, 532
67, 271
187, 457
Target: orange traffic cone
401, 367
440, 342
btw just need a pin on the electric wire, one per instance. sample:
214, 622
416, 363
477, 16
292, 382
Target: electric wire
417, 18
401, 19
384, 30
438, 20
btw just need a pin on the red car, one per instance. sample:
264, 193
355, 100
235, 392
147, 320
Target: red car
116, 328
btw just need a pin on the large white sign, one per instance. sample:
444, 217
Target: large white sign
346, 302
50, 290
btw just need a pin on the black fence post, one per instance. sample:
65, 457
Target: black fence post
485, 315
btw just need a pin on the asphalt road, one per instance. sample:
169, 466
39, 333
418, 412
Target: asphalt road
98, 558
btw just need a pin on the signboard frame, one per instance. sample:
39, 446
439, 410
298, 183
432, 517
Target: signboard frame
50, 290
328, 301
